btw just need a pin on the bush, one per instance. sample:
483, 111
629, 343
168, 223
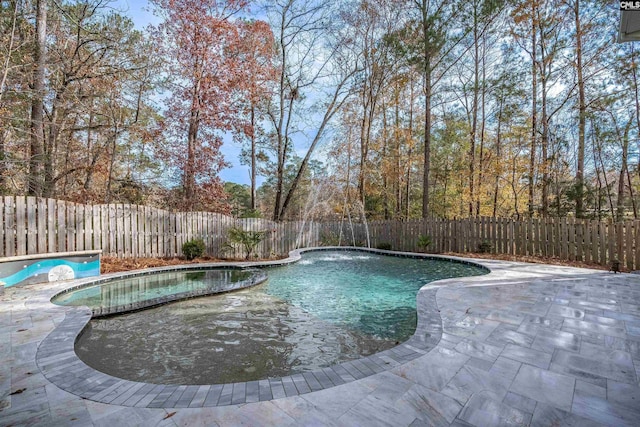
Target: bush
424, 242
485, 247
193, 249
248, 239
384, 246
328, 239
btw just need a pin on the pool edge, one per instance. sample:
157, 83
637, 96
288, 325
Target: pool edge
58, 362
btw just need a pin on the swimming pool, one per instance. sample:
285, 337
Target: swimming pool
330, 307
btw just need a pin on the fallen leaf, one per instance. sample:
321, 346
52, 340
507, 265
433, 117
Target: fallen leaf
169, 415
18, 391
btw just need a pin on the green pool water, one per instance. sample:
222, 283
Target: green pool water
150, 287
330, 307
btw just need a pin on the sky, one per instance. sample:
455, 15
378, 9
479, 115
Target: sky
140, 12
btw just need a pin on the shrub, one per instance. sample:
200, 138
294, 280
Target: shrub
247, 239
424, 242
193, 249
384, 246
328, 239
485, 246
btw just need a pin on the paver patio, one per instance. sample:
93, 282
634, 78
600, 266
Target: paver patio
527, 344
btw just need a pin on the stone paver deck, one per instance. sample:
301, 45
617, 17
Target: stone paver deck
527, 344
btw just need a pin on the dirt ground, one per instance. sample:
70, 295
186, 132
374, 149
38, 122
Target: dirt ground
113, 265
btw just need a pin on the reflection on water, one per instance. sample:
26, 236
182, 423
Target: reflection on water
148, 287
327, 309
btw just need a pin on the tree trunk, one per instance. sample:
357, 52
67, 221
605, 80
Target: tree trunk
36, 159
408, 182
364, 152
582, 107
634, 77
498, 160
253, 157
544, 140
112, 161
7, 59
333, 106
427, 142
474, 115
189, 170
483, 94
534, 96
279, 122
385, 155
620, 202
396, 153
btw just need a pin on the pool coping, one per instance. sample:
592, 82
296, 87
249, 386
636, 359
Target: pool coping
58, 362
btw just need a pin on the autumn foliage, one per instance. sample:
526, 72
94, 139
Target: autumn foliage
384, 109
205, 46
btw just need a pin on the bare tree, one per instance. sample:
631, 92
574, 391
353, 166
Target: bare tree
307, 64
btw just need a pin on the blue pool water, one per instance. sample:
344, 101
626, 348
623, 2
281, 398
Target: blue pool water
374, 294
330, 307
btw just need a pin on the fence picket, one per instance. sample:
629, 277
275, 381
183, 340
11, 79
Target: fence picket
61, 230
21, 231
79, 227
636, 246
587, 241
628, 249
41, 232
51, 225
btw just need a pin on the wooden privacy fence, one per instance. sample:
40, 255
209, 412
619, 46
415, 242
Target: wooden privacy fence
564, 238
32, 226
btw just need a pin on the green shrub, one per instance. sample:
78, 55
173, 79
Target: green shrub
328, 239
424, 242
247, 239
485, 246
384, 246
193, 249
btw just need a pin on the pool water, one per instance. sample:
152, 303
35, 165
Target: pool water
370, 293
150, 287
328, 308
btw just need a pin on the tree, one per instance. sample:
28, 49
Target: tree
257, 52
588, 19
240, 200
312, 59
428, 41
13, 45
370, 22
36, 156
198, 38
484, 15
